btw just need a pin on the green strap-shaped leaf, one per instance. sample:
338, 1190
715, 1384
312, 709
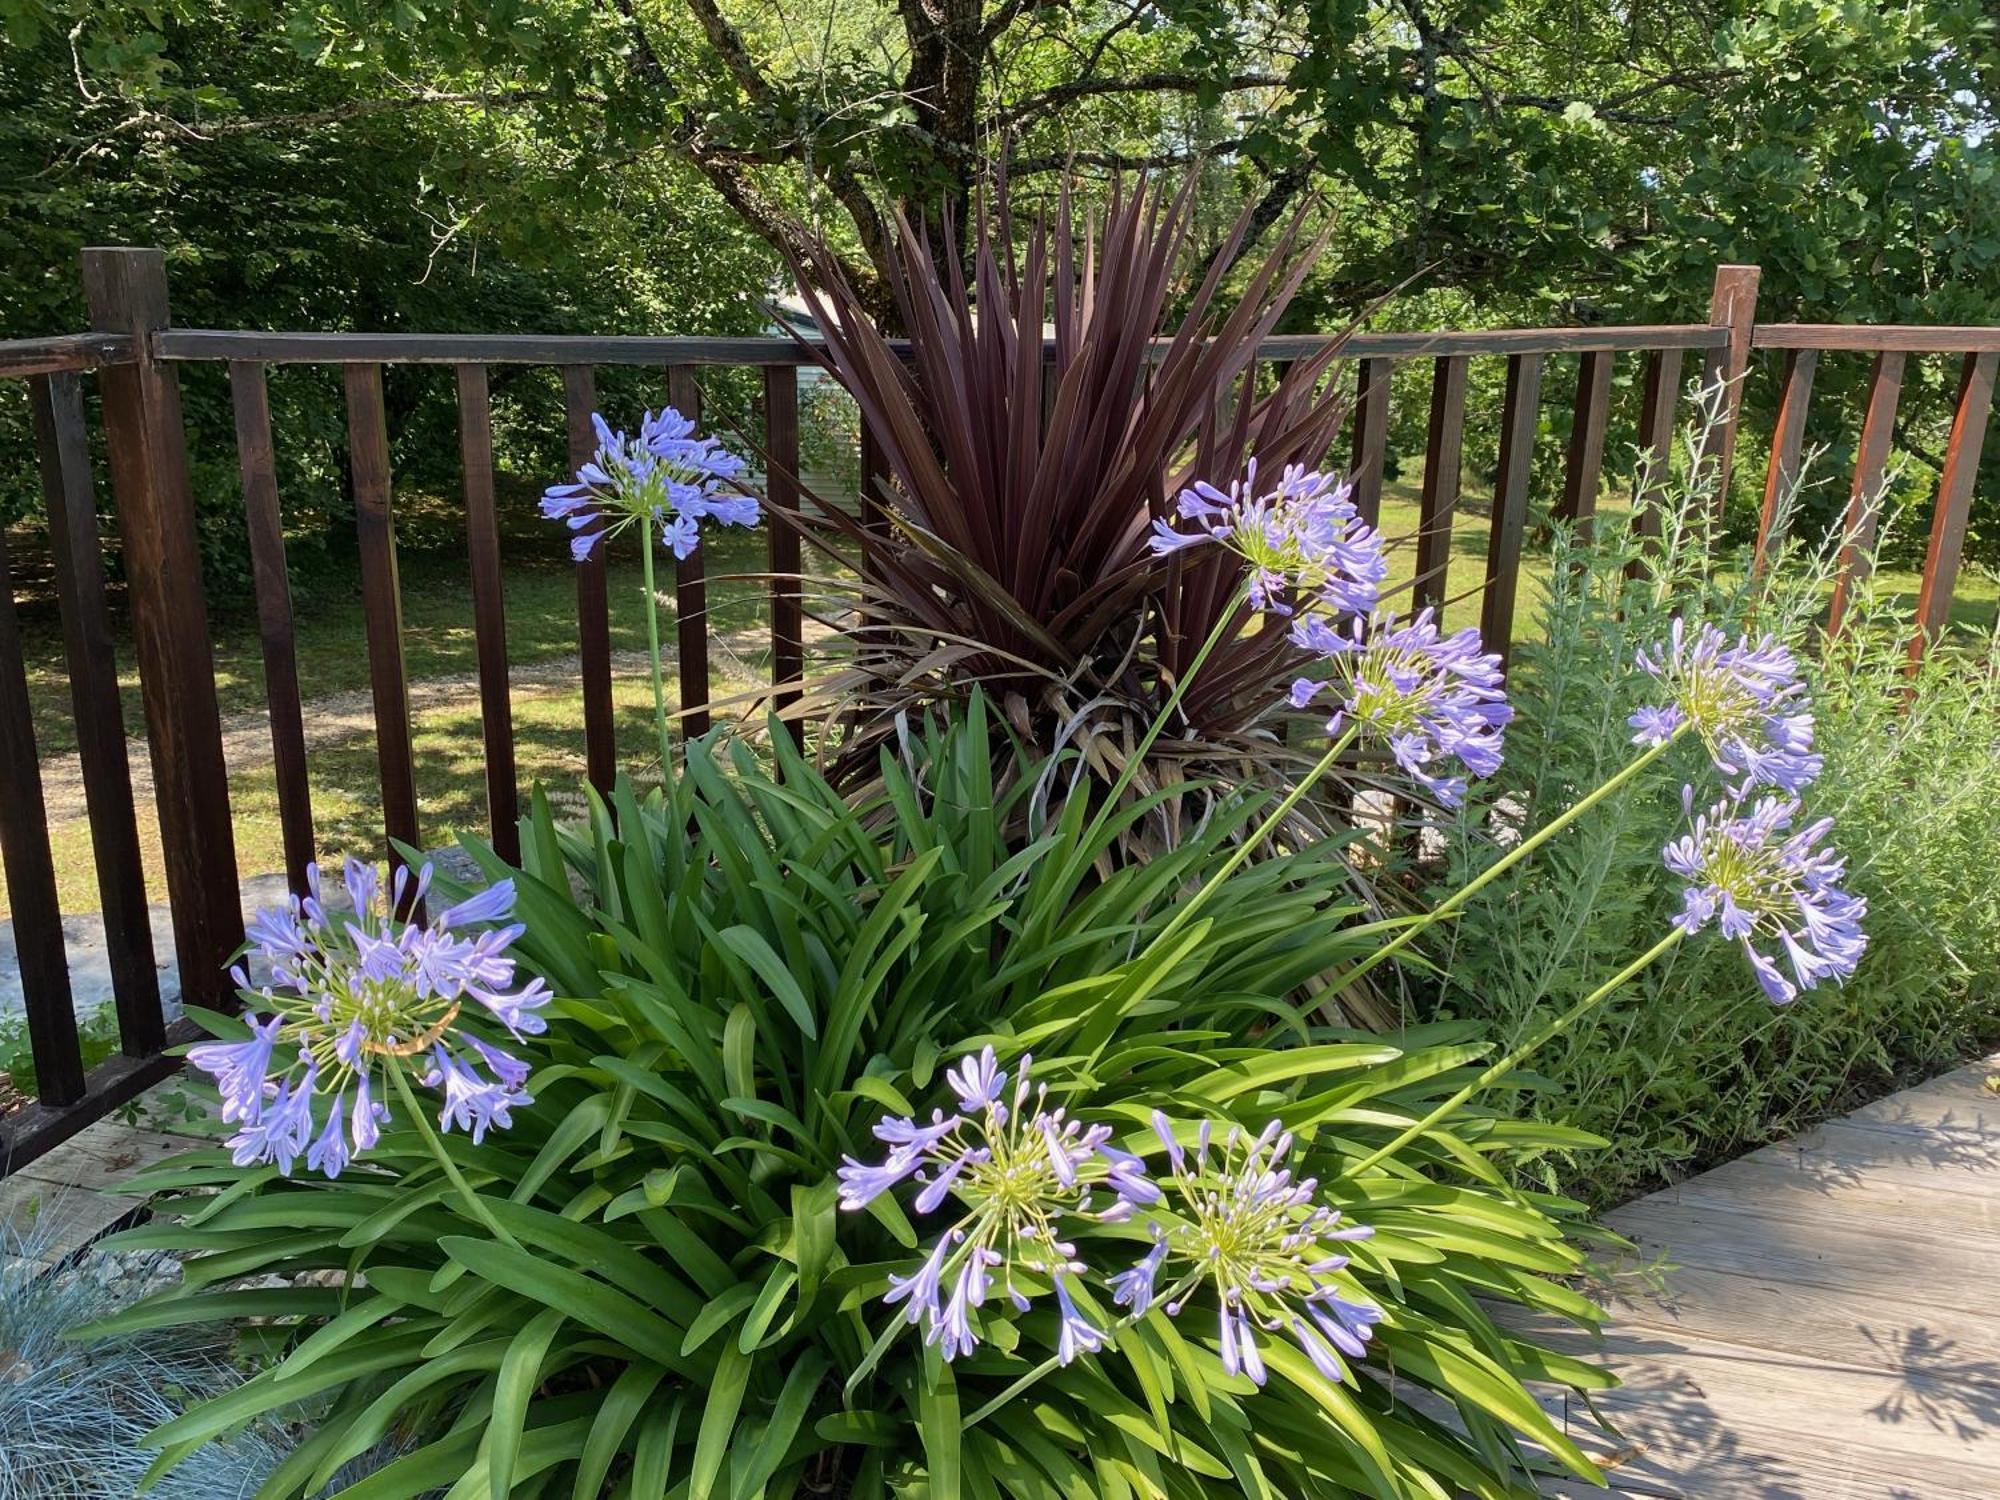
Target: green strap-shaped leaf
589, 1302
332, 1334
718, 1314
1245, 1075
749, 945
718, 1420
939, 1425
520, 1373
787, 1414
653, 1455
212, 1307
813, 1234
764, 1311
373, 1423
372, 1353
621, 1406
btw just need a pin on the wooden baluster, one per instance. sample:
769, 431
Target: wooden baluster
1656, 448
256, 458
1788, 437
690, 587
489, 611
382, 604
1510, 502
147, 445
1584, 462
781, 490
1864, 496
593, 608
1371, 433
64, 446
31, 874
1954, 500
1444, 452
875, 500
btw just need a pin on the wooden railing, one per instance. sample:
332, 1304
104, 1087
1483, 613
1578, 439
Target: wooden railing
134, 354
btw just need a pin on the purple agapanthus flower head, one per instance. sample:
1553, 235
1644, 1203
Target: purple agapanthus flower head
1018, 1173
665, 477
1304, 541
352, 994
1772, 887
1430, 698
1243, 1226
1743, 700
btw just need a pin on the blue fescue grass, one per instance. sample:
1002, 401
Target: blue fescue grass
74, 1411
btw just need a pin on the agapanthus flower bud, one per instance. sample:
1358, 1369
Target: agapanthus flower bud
1304, 541
1235, 1220
1764, 885
1020, 1173
350, 996
665, 477
1743, 701
1427, 696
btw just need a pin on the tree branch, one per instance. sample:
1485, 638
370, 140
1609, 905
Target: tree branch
335, 114
735, 53
1118, 161
1143, 83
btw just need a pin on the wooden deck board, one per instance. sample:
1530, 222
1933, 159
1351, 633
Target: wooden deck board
1826, 1327
60, 1202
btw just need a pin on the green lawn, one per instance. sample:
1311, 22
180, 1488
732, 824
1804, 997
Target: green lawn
541, 627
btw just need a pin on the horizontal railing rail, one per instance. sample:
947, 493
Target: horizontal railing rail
1874, 338
66, 353
134, 355
196, 344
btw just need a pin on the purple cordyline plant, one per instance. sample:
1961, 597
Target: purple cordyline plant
1744, 701
353, 996
1428, 696
1759, 882
665, 477
1018, 1170
1233, 1217
1304, 541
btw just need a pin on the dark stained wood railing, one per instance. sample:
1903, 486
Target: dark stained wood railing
134, 353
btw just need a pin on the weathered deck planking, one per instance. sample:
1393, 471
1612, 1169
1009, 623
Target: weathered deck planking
1824, 1327
61, 1201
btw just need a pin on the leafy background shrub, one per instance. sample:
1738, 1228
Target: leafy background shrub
1692, 1065
753, 973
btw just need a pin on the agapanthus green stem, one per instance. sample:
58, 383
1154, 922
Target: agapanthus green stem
653, 650
422, 1121
1458, 898
1053, 1363
1153, 731
1515, 1058
1190, 909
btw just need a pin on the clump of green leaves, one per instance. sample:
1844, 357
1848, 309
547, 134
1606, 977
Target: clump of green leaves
751, 974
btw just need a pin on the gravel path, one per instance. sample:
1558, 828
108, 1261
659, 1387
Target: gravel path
246, 736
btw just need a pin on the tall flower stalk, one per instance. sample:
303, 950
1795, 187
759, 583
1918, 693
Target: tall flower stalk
666, 478
1429, 699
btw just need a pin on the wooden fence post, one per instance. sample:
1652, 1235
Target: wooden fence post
127, 293
1732, 305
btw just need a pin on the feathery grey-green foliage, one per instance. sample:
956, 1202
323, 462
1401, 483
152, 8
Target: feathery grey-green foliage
1692, 1064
